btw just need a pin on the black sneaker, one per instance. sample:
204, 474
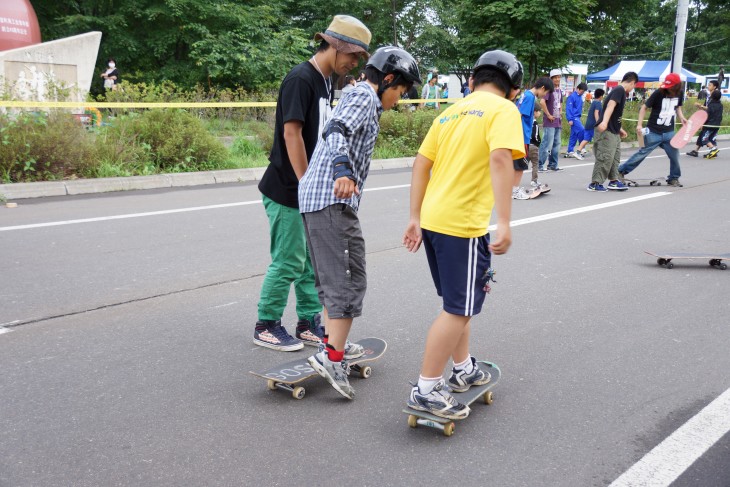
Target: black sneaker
693, 153
271, 334
674, 182
310, 332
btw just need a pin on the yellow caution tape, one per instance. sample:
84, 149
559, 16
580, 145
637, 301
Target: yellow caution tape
85, 104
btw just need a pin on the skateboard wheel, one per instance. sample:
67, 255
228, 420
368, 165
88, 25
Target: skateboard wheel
670, 265
661, 261
366, 372
412, 421
271, 385
298, 393
449, 429
488, 397
723, 266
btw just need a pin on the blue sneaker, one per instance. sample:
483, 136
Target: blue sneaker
438, 402
617, 185
310, 332
596, 187
271, 334
461, 381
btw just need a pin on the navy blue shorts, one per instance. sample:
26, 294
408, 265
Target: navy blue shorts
459, 269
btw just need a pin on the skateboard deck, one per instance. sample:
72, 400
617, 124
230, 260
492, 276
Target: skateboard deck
446, 426
689, 129
665, 258
286, 376
642, 182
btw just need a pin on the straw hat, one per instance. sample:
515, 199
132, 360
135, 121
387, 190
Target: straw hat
347, 35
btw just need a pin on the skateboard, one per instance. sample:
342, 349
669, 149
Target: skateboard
286, 376
636, 182
446, 426
665, 258
535, 192
689, 129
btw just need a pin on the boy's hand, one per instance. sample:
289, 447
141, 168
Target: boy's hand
503, 240
344, 187
622, 133
413, 237
602, 127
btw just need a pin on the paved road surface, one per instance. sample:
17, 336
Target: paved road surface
127, 342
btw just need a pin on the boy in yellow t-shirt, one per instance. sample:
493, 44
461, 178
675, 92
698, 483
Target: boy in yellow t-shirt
463, 169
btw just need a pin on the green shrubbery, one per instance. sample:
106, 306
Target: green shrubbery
39, 146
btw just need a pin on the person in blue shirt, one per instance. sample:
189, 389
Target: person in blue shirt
573, 113
594, 114
526, 106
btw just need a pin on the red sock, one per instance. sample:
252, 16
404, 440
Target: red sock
334, 355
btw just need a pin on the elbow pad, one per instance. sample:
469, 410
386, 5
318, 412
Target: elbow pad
334, 127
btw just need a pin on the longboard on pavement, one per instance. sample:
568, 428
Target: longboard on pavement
288, 375
483, 392
665, 258
689, 129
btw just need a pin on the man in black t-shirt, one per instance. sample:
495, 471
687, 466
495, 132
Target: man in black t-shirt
302, 109
663, 103
607, 146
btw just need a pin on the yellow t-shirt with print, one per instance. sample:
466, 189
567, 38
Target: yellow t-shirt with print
459, 197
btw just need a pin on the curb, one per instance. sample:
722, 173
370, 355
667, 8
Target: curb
17, 191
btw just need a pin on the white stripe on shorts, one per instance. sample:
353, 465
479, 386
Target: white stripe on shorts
471, 276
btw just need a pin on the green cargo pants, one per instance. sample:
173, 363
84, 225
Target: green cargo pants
290, 263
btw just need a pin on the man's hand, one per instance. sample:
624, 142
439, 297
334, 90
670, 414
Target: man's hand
623, 133
602, 127
503, 240
570, 122
413, 237
550, 117
344, 187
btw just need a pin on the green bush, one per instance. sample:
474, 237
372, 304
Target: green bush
175, 140
40, 146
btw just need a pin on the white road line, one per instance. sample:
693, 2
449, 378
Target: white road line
9, 323
257, 202
4, 330
668, 460
584, 209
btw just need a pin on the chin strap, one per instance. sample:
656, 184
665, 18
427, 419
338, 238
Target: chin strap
383, 87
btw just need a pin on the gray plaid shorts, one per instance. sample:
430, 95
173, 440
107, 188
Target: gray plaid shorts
337, 250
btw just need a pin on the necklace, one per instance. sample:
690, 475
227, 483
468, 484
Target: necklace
327, 82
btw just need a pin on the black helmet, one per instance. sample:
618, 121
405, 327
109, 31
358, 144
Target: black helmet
503, 61
391, 59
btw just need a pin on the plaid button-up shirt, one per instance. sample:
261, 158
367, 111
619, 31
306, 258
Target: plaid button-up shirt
359, 113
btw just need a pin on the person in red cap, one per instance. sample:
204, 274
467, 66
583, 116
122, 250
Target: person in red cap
664, 103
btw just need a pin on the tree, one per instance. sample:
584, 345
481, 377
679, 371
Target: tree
543, 35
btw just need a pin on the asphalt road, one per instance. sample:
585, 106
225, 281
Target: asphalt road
125, 343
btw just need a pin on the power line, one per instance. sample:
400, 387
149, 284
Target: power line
651, 53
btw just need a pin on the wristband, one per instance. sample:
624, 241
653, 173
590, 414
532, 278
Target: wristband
342, 168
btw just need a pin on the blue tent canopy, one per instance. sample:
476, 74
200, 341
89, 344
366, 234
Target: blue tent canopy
647, 71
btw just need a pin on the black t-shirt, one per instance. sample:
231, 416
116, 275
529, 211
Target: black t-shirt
663, 108
303, 96
618, 95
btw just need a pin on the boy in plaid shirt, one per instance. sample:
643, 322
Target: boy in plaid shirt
329, 197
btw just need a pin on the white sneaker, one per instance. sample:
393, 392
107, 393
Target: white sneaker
520, 194
333, 372
575, 155
584, 152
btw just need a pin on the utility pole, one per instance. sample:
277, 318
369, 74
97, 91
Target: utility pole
395, 32
680, 29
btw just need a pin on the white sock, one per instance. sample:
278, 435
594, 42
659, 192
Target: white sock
466, 365
426, 384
